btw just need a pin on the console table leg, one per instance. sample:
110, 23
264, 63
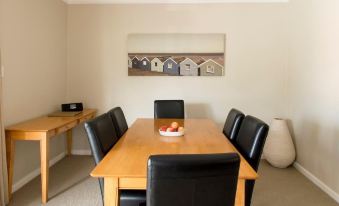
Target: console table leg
44, 153
10, 150
69, 142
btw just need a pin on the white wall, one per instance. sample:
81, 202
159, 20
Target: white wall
33, 45
256, 52
313, 82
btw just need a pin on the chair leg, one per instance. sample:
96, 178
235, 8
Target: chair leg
101, 184
249, 186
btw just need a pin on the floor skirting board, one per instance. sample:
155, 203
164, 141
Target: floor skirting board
30, 176
317, 182
81, 152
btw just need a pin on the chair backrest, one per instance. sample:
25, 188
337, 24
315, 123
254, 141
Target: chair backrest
119, 120
250, 143
192, 180
169, 109
101, 135
232, 124
251, 139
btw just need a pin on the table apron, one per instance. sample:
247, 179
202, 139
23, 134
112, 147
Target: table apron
17, 135
132, 183
113, 185
135, 183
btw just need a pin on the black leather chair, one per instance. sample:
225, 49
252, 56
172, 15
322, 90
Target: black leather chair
169, 109
250, 143
192, 180
119, 120
102, 136
232, 124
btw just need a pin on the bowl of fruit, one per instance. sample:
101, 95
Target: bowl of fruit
174, 130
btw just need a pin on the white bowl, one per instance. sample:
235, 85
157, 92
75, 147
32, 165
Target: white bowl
172, 134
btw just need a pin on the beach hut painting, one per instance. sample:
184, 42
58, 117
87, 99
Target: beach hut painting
212, 67
145, 63
130, 64
157, 64
135, 63
172, 65
176, 54
190, 66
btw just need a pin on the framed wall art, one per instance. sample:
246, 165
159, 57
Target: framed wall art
176, 54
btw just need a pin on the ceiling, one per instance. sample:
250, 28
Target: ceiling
169, 1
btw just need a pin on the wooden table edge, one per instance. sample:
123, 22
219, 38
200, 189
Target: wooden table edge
85, 113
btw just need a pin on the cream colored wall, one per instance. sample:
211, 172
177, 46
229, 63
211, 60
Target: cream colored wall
176, 43
313, 86
257, 81
33, 44
281, 60
256, 52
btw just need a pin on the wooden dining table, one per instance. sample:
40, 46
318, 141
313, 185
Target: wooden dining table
125, 165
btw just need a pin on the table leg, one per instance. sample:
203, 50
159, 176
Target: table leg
44, 155
10, 150
69, 142
111, 191
240, 195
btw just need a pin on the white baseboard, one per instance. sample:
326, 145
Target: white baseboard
81, 152
23, 181
317, 182
19, 184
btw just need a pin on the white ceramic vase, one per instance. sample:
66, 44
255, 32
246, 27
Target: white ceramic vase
279, 149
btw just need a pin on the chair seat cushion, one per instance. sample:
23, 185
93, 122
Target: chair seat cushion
132, 197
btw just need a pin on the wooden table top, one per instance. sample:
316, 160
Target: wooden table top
128, 158
45, 123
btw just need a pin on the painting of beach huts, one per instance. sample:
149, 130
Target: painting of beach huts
158, 55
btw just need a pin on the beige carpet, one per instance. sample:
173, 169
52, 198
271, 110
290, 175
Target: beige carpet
70, 184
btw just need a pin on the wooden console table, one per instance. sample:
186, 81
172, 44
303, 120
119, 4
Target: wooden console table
42, 129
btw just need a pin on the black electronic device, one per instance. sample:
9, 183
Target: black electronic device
72, 107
